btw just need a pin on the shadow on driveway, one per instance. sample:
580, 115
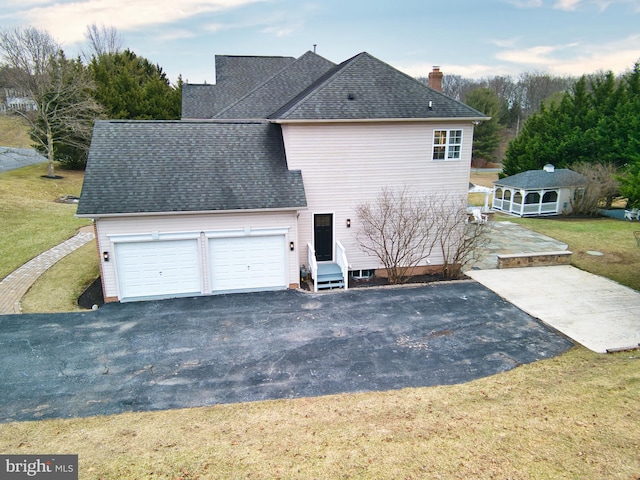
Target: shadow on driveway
234, 348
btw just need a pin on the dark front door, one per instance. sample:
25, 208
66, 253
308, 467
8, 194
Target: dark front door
323, 236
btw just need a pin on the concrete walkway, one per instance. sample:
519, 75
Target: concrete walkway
17, 283
594, 311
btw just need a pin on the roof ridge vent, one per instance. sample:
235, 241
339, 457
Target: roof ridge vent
549, 168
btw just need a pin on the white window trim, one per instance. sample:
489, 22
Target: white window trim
447, 145
247, 232
152, 236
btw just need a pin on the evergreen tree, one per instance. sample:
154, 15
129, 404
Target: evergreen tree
131, 87
596, 122
485, 136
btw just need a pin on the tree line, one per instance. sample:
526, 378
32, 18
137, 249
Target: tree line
105, 81
590, 124
507, 100
594, 128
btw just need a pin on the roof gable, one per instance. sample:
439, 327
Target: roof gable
177, 166
364, 87
535, 179
280, 88
235, 77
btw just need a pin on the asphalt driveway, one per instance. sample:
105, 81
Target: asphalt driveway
234, 348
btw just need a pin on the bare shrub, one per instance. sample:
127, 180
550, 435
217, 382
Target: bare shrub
402, 230
394, 228
601, 187
456, 239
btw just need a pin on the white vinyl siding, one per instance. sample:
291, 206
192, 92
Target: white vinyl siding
346, 164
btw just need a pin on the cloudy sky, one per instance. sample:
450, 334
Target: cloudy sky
471, 38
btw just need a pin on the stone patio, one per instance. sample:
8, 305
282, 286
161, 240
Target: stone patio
510, 238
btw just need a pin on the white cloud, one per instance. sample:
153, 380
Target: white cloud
538, 55
573, 5
602, 5
175, 34
278, 31
468, 71
574, 58
67, 21
526, 3
568, 5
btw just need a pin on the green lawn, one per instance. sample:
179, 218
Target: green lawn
14, 132
613, 238
573, 416
32, 221
58, 288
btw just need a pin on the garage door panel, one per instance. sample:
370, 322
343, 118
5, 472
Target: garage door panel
247, 263
161, 268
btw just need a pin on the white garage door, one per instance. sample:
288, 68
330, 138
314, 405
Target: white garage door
158, 269
247, 263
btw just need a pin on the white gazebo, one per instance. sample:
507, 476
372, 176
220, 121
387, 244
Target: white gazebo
538, 192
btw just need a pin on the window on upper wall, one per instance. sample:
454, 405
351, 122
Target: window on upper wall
447, 144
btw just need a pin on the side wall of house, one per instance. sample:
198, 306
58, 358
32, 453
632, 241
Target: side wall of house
199, 225
346, 164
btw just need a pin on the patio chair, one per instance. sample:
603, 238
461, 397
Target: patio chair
632, 214
478, 216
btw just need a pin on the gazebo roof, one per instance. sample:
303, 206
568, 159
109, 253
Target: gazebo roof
478, 189
546, 178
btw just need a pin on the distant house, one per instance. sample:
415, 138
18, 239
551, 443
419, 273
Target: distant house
13, 100
263, 175
549, 191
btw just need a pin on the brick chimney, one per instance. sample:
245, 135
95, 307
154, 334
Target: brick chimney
435, 79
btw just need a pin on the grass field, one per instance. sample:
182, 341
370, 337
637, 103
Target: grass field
30, 218
574, 416
14, 132
614, 239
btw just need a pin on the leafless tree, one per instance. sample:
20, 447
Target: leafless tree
101, 41
395, 228
536, 87
59, 87
402, 230
456, 238
600, 188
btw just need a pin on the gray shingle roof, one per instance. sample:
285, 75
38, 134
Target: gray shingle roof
180, 166
235, 77
364, 87
534, 179
248, 70
279, 89
199, 101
